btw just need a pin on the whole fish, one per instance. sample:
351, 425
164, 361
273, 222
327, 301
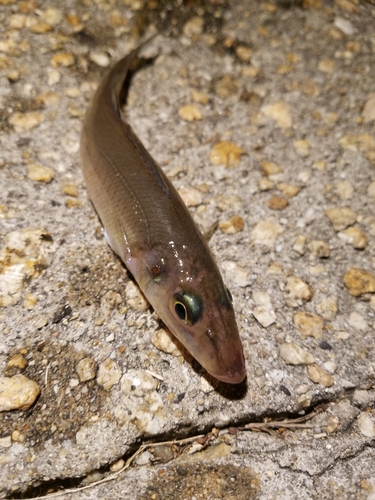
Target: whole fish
149, 227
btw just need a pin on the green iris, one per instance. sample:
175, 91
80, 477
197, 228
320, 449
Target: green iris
188, 307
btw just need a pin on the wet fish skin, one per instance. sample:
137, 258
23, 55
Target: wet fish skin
149, 227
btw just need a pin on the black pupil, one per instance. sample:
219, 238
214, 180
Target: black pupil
180, 311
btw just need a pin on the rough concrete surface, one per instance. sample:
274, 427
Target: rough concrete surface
263, 115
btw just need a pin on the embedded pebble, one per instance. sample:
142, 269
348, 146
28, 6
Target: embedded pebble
328, 308
265, 184
73, 203
319, 376
135, 298
6, 442
368, 112
333, 423
289, 190
280, 112
40, 27
100, 59
302, 148
109, 374
244, 53
117, 465
359, 281
344, 25
235, 274
17, 361
40, 173
344, 190
309, 325
226, 153
297, 292
293, 354
271, 168
165, 341
319, 249
341, 218
277, 203
226, 86
25, 121
326, 65
366, 424
86, 369
192, 197
266, 232
49, 99
30, 301
263, 312
363, 398
52, 16
17, 393
300, 244
54, 77
70, 190
371, 189
232, 225
200, 97
62, 59
354, 236
357, 321
190, 112
194, 26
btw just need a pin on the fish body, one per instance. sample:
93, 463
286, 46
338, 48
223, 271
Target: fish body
149, 227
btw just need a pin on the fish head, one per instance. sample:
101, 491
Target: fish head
197, 308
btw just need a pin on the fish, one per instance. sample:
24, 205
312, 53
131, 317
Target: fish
149, 227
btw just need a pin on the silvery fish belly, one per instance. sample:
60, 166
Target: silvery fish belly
149, 227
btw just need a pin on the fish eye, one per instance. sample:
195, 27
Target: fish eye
188, 307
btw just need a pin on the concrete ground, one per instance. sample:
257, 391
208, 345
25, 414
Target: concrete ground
263, 116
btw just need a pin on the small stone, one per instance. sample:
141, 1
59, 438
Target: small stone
368, 112
232, 225
135, 298
344, 190
277, 203
333, 423
41, 27
200, 97
6, 442
17, 393
264, 316
266, 232
13, 75
293, 354
363, 398
354, 237
300, 244
49, 99
17, 21
41, 322
265, 184
357, 321
117, 465
319, 249
320, 376
347, 5
326, 65
371, 189
358, 281
341, 218
62, 59
194, 26
17, 361
166, 342
235, 273
25, 121
52, 16
271, 168
309, 325
73, 203
304, 401
100, 59
70, 190
320, 165
328, 308
297, 292
40, 173
86, 369
280, 112
109, 374
344, 25
190, 113
289, 190
302, 148
244, 53
30, 301
366, 424
54, 77
192, 197
226, 153
226, 87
